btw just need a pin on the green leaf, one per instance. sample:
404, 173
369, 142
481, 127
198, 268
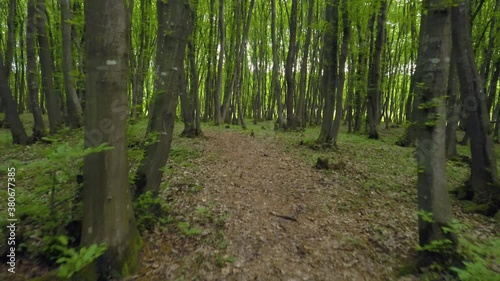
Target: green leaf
90, 252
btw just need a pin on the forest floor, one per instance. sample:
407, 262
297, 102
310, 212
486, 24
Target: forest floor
250, 205
264, 212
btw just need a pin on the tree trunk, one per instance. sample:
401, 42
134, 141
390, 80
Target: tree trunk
453, 109
360, 85
300, 110
107, 212
350, 93
51, 98
194, 85
330, 70
341, 77
291, 120
189, 99
16, 126
31, 69
492, 93
409, 137
483, 180
187, 111
75, 112
174, 28
238, 67
275, 83
220, 64
212, 58
488, 54
413, 32
8, 102
374, 83
432, 185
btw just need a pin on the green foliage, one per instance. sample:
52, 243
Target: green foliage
221, 261
182, 153
152, 138
187, 230
441, 246
74, 261
203, 212
149, 211
50, 199
480, 260
194, 188
425, 216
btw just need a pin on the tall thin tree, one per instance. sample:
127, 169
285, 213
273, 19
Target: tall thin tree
174, 28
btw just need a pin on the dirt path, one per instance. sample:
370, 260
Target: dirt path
253, 181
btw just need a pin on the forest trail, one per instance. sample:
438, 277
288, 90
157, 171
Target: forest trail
261, 190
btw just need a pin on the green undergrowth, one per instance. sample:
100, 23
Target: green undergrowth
150, 211
48, 195
468, 260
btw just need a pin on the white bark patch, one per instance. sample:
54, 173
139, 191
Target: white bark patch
435, 60
89, 230
174, 68
110, 62
163, 74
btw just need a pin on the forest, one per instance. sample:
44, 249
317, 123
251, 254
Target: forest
249, 140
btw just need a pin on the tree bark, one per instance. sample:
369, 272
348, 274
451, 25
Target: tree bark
488, 53
195, 129
483, 180
453, 109
74, 108
432, 185
8, 102
341, 77
409, 137
189, 101
300, 110
291, 119
220, 64
492, 92
107, 212
238, 67
141, 60
374, 83
31, 69
16, 126
350, 93
360, 92
330, 64
51, 98
275, 83
174, 28
212, 61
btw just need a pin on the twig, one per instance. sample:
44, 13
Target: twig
284, 217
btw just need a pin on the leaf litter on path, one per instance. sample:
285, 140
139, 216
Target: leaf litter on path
274, 217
